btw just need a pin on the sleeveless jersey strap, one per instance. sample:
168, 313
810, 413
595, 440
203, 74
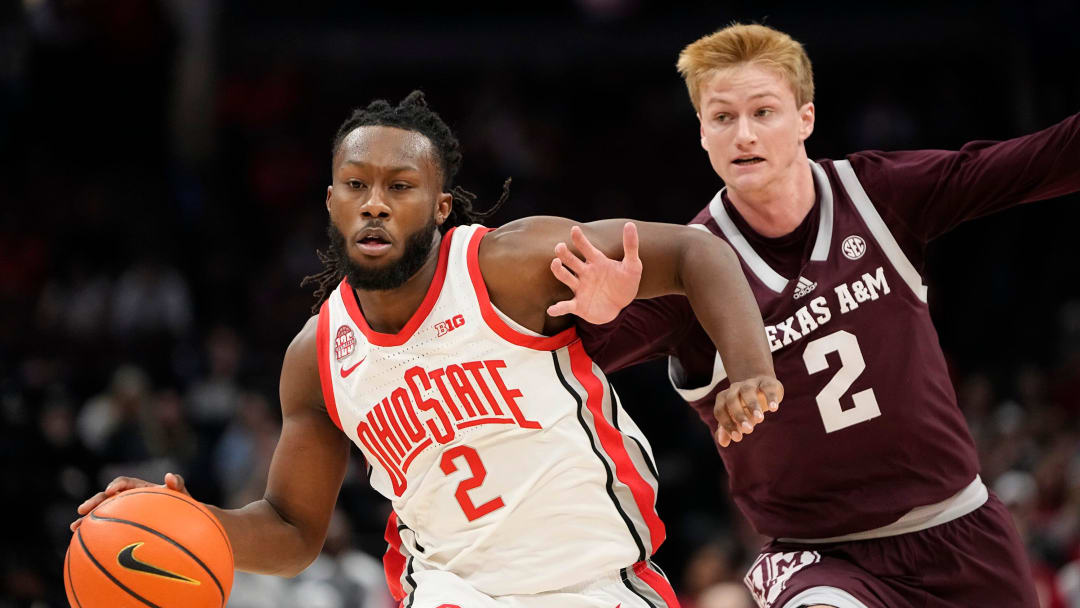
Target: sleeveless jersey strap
879, 229
322, 348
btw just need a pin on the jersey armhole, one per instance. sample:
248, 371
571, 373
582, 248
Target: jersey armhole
322, 352
492, 318
691, 394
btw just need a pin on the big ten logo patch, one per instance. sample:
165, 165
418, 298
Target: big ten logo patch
772, 571
444, 327
344, 342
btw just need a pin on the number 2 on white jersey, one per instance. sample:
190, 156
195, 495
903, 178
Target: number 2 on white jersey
476, 466
852, 365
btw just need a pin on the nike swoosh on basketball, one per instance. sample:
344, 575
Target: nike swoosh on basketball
345, 371
127, 559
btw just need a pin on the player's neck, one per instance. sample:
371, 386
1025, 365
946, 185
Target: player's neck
779, 207
387, 311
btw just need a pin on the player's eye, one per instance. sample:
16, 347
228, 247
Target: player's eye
401, 186
761, 113
355, 184
721, 118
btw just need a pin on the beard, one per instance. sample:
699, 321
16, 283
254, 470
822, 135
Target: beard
418, 247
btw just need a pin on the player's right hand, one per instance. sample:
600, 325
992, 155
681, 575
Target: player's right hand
121, 484
740, 407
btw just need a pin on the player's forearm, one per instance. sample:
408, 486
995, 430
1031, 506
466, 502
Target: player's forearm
713, 281
263, 542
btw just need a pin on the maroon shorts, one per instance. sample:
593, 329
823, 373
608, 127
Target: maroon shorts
976, 560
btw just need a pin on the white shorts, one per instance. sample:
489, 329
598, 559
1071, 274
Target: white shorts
639, 586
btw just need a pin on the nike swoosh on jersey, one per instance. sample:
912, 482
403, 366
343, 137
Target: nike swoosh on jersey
127, 559
346, 371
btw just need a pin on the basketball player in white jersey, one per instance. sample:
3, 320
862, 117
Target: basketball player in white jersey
515, 476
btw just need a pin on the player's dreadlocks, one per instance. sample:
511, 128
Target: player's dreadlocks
412, 114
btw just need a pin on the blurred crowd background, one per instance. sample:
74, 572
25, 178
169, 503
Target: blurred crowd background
163, 167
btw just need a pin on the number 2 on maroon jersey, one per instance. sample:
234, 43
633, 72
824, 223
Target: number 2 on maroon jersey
472, 459
852, 364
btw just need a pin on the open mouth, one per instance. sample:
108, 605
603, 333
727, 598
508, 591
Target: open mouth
373, 241
749, 160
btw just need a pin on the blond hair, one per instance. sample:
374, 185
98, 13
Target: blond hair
740, 44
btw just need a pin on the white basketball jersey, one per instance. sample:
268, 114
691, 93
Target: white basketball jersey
507, 456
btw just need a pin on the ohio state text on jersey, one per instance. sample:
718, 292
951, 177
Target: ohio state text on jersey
506, 455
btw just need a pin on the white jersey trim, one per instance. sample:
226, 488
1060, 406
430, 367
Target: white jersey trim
675, 376
764, 272
825, 222
830, 596
518, 327
973, 496
878, 228
675, 369
772, 279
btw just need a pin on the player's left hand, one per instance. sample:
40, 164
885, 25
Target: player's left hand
123, 484
740, 407
602, 286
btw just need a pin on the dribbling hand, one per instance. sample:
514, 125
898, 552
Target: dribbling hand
121, 484
602, 286
741, 406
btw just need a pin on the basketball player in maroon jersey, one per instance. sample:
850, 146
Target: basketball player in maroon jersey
867, 478
393, 209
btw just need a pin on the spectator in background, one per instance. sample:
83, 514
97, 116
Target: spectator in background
241, 460
725, 595
77, 306
213, 400
151, 297
127, 391
715, 562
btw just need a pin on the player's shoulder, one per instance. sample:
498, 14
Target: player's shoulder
526, 232
307, 335
523, 243
874, 166
300, 382
302, 353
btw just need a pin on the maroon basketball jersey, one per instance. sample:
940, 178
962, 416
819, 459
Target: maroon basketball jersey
869, 427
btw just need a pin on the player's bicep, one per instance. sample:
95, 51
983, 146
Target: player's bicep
665, 251
661, 248
311, 456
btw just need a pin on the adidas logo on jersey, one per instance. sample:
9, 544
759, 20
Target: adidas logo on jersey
805, 287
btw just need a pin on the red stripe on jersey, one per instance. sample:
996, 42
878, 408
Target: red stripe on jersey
492, 318
612, 442
658, 583
479, 421
322, 348
401, 337
393, 560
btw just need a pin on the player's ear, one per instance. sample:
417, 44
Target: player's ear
329, 193
806, 121
701, 131
444, 204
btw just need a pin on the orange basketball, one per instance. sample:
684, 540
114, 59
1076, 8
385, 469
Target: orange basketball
149, 547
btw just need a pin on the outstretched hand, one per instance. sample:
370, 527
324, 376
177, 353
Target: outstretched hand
740, 407
602, 286
121, 484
